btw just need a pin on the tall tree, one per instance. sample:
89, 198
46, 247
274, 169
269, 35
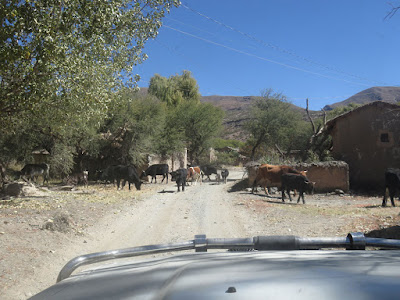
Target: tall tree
189, 123
271, 118
200, 123
71, 52
175, 89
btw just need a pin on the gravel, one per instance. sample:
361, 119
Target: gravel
38, 235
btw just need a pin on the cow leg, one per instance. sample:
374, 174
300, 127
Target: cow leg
384, 197
301, 195
392, 193
254, 186
283, 195
288, 192
118, 183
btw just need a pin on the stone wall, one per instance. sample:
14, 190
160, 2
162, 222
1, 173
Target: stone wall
175, 162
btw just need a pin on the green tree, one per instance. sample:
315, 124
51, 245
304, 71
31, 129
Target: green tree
189, 123
71, 54
132, 126
175, 89
271, 120
199, 124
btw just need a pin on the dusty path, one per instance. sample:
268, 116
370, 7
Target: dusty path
30, 258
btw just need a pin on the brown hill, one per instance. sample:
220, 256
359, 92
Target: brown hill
389, 94
237, 107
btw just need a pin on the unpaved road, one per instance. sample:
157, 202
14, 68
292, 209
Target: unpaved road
104, 219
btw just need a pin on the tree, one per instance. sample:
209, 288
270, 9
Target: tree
175, 89
320, 142
131, 128
271, 119
199, 124
189, 123
71, 52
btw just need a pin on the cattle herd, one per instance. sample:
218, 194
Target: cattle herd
285, 178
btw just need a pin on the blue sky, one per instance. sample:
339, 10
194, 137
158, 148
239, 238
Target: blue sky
323, 50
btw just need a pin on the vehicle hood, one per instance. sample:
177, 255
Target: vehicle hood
241, 275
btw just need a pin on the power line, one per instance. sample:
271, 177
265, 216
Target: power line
282, 50
261, 58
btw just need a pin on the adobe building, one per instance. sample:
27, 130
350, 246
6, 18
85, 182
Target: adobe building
368, 140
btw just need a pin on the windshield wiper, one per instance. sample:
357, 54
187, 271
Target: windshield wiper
353, 241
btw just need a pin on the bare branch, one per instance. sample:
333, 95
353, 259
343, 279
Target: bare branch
309, 117
392, 11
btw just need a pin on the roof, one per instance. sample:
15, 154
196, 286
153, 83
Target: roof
379, 104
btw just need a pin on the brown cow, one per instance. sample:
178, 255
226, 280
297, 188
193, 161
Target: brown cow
271, 176
194, 174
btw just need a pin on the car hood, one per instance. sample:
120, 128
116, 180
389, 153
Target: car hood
241, 275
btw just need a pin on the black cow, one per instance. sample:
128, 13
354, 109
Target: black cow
154, 170
224, 175
127, 173
296, 182
180, 177
107, 175
208, 170
392, 182
33, 171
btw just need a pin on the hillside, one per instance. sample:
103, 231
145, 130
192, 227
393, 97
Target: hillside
389, 94
237, 112
237, 107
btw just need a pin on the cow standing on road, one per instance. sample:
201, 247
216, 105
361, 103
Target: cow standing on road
297, 182
154, 170
224, 175
33, 171
179, 176
127, 173
208, 170
392, 183
194, 175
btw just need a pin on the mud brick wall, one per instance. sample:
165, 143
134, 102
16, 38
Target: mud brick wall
328, 176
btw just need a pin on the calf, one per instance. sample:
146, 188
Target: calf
392, 183
194, 175
179, 176
78, 178
154, 170
33, 171
296, 182
224, 175
127, 173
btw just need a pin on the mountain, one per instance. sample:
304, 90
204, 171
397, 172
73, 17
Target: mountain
237, 107
389, 94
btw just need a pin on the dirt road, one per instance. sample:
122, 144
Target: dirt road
104, 219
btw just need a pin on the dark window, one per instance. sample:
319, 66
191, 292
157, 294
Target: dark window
384, 137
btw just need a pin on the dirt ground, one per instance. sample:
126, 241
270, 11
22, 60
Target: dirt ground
39, 234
